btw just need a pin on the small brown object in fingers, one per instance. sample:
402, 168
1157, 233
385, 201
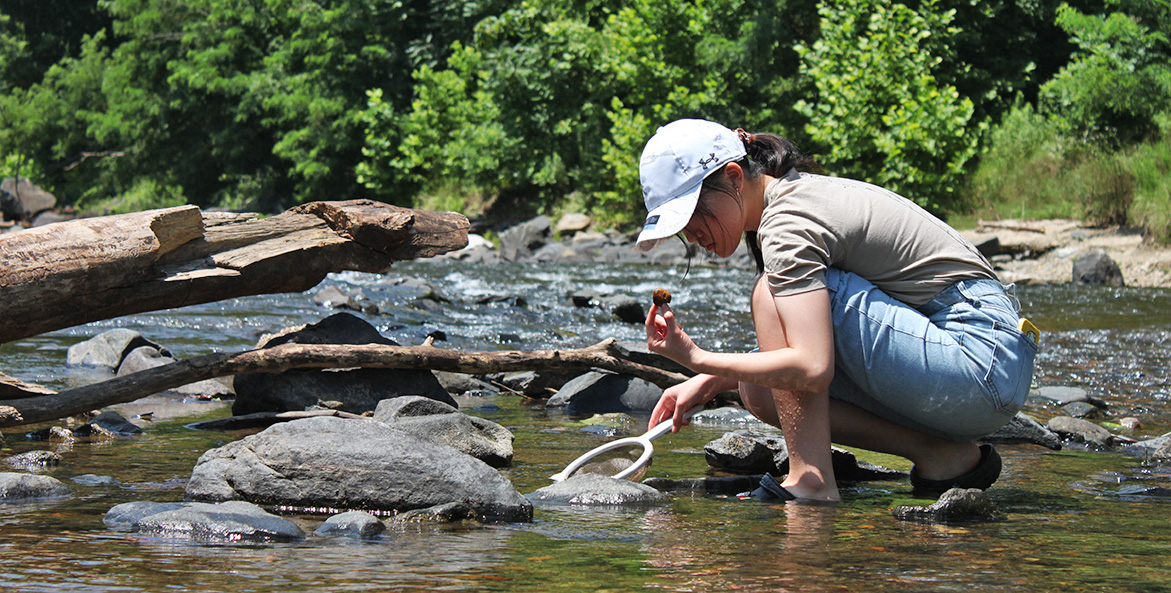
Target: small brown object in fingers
661, 297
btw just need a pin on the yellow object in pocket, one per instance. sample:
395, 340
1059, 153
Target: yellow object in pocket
1026, 327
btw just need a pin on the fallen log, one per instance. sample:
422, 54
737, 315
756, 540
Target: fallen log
606, 355
70, 273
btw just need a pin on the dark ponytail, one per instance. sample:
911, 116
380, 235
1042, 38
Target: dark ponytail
769, 154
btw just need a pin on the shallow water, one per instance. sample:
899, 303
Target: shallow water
1069, 522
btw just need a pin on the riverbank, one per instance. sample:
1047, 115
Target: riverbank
1043, 251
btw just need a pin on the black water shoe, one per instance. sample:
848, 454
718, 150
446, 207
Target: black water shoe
986, 472
769, 491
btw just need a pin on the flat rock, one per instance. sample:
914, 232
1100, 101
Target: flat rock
233, 521
20, 486
595, 489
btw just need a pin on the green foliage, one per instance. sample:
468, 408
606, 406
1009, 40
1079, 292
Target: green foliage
1016, 174
1119, 80
508, 108
1150, 164
880, 112
223, 97
554, 98
146, 194
12, 49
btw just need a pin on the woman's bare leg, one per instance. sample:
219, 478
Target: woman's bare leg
811, 421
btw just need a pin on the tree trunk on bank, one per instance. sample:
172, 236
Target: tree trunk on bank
67, 274
605, 355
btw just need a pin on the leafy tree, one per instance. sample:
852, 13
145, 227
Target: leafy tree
230, 100
556, 98
50, 30
880, 111
1119, 80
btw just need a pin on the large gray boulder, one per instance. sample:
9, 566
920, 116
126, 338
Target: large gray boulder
225, 522
335, 463
18, 486
602, 393
440, 423
357, 391
1096, 268
518, 242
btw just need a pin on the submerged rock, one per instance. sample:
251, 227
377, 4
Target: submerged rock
18, 486
729, 485
452, 512
357, 524
595, 489
111, 421
335, 463
728, 415
33, 460
955, 505
233, 521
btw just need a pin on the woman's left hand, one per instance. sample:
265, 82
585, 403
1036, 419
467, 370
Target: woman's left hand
665, 336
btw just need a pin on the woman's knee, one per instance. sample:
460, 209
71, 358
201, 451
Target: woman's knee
759, 401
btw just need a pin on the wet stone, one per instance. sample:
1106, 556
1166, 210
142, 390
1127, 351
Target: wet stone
233, 521
356, 524
955, 505
1025, 429
595, 489
1080, 431
18, 486
452, 512
34, 460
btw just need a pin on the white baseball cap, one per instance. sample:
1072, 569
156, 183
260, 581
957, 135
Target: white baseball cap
672, 169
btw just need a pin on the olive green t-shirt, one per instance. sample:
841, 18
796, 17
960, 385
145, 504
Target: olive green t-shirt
813, 222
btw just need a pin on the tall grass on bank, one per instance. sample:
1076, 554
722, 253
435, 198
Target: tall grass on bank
1031, 170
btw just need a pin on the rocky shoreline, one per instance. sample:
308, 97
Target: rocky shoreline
1043, 251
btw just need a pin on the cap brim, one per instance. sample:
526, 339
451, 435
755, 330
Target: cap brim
669, 219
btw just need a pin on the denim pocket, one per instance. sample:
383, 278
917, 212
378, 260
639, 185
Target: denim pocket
1010, 371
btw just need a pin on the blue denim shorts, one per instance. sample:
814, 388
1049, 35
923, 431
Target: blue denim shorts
956, 367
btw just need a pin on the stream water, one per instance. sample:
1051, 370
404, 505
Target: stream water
1071, 520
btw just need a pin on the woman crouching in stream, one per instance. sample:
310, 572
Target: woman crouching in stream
878, 326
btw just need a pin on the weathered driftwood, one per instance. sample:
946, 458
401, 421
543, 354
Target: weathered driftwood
606, 355
75, 272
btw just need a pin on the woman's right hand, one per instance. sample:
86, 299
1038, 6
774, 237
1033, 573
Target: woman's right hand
678, 399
